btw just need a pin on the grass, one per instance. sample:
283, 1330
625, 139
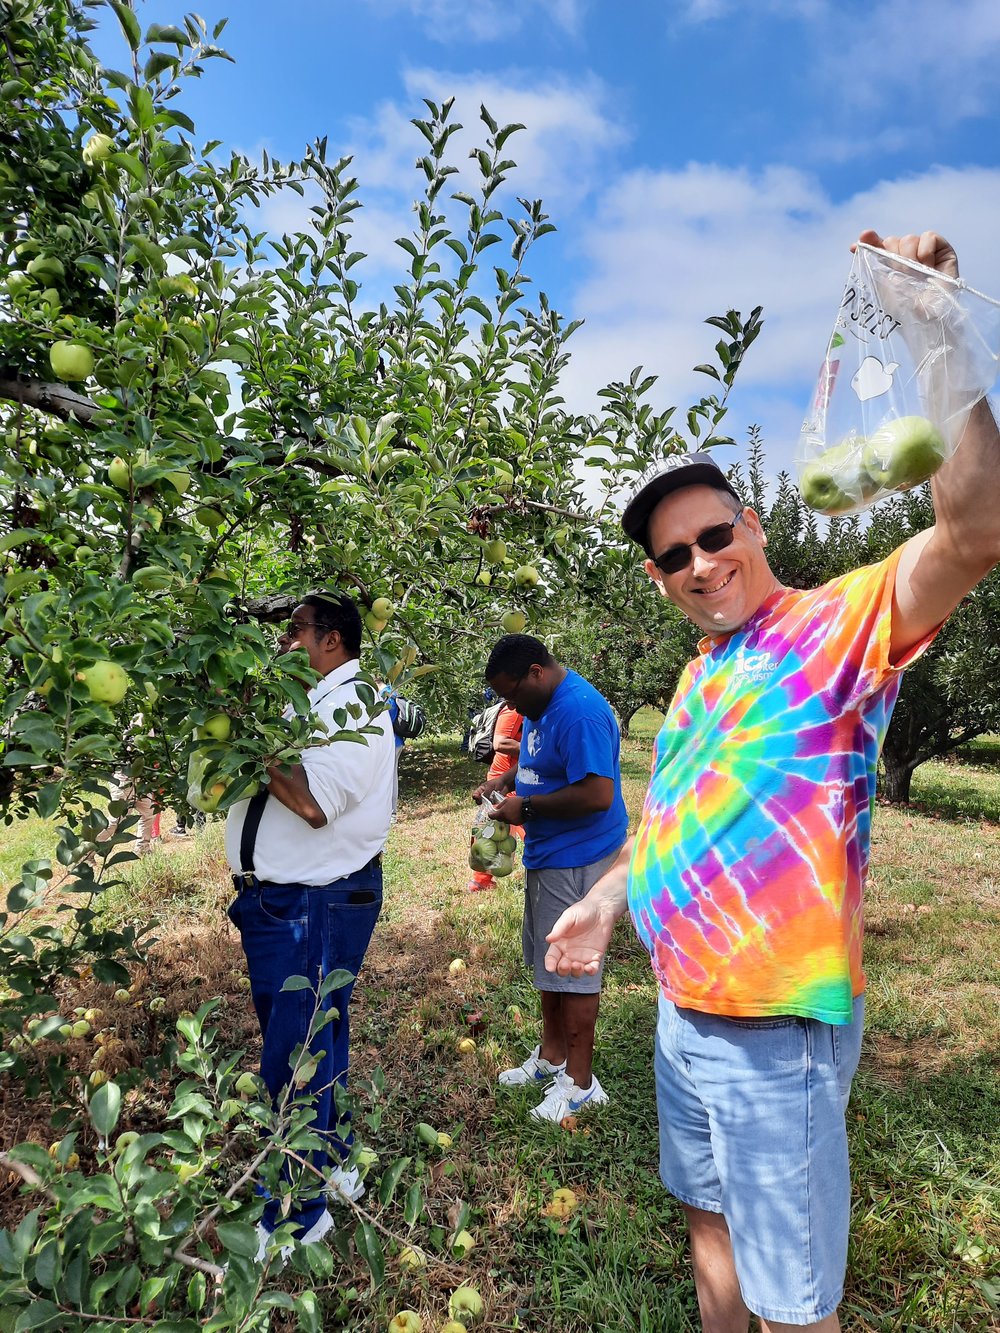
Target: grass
923, 1120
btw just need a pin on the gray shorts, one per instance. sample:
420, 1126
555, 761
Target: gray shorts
547, 894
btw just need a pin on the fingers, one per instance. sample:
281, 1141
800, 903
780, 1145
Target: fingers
929, 249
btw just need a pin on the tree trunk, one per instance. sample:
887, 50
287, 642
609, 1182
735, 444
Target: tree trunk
898, 776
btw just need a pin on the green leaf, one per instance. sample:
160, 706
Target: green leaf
239, 1238
39, 1314
296, 983
414, 1205
391, 1178
105, 1108
370, 1249
166, 32
129, 22
334, 980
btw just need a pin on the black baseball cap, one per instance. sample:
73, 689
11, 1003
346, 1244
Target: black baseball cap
663, 477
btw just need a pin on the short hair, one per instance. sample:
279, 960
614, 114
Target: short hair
336, 611
514, 654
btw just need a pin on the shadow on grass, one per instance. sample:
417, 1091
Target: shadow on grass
956, 801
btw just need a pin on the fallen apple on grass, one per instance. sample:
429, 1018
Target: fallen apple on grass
405, 1321
463, 1243
465, 1303
456, 967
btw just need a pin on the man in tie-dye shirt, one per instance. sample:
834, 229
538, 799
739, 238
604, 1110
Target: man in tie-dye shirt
745, 879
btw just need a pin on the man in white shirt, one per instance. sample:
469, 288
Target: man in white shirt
309, 880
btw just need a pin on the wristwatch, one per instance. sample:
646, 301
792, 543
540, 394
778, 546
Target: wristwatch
528, 811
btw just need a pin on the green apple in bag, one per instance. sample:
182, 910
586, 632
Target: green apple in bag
904, 452
837, 481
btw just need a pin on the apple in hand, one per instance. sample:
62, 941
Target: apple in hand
904, 452
837, 481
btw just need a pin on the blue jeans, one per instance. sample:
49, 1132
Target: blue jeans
752, 1125
302, 930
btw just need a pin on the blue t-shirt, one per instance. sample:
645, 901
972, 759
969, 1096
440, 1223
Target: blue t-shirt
576, 735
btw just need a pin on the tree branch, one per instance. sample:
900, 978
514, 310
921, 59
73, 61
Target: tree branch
57, 399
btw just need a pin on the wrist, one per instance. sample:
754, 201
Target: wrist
528, 811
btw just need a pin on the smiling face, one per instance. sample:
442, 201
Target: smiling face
719, 592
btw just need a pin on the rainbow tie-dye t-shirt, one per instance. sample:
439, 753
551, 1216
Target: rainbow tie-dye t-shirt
749, 866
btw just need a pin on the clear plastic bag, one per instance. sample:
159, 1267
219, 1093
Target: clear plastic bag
911, 353
491, 845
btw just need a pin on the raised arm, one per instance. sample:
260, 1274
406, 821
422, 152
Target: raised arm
938, 567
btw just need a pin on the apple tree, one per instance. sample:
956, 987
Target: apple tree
201, 421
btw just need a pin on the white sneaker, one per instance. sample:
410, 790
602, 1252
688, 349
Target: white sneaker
316, 1232
563, 1098
534, 1070
345, 1184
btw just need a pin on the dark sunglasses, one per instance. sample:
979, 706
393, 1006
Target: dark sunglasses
711, 541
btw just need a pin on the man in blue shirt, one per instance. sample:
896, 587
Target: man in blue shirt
566, 791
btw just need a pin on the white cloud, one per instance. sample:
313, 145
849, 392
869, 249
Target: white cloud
939, 59
488, 20
568, 130
667, 249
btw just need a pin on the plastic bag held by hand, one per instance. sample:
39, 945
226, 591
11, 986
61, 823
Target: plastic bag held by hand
911, 353
492, 844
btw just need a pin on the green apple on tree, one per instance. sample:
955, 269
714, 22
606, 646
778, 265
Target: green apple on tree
97, 148
71, 361
904, 452
106, 682
495, 551
47, 270
526, 576
119, 473
218, 727
383, 609
514, 622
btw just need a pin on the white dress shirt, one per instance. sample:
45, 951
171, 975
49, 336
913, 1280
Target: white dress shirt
352, 785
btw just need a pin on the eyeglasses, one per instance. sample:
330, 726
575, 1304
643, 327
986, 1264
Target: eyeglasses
711, 541
293, 628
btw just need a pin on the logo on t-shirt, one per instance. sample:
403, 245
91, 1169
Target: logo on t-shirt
534, 743
754, 665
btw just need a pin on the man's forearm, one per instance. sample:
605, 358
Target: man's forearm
577, 801
290, 786
610, 893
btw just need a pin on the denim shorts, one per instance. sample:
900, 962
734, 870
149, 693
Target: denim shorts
752, 1125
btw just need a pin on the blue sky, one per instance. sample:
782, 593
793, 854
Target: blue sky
694, 154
